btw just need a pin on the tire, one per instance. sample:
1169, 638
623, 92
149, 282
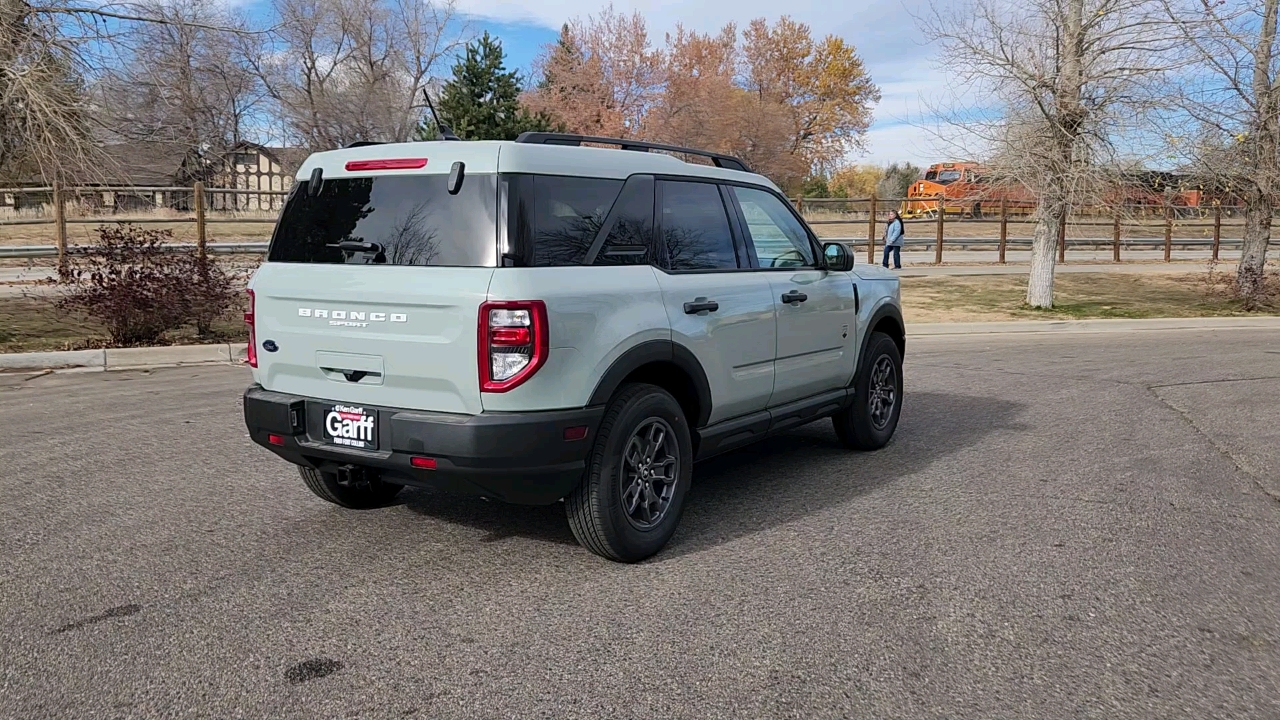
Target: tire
879, 374
375, 493
607, 511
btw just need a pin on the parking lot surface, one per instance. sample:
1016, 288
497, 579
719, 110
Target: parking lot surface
1068, 526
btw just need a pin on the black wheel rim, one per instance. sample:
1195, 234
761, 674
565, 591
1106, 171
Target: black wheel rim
882, 395
649, 473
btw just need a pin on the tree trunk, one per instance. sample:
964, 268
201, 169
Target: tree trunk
1251, 273
1044, 255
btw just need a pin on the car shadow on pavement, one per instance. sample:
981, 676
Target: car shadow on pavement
761, 486
498, 520
790, 476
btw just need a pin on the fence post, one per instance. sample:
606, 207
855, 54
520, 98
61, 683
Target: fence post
800, 204
1115, 238
201, 248
871, 231
1217, 229
1004, 227
1062, 236
60, 225
937, 246
1168, 233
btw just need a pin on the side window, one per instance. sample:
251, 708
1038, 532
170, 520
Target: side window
695, 227
779, 239
630, 239
567, 215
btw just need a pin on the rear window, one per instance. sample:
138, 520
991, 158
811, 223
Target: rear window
390, 220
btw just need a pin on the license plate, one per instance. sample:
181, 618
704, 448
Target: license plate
351, 426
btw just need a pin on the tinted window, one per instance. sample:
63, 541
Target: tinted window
695, 227
567, 216
777, 236
630, 240
390, 220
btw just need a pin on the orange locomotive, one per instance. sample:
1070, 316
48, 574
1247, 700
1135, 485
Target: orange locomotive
965, 190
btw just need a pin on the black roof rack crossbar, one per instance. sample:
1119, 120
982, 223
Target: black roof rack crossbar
365, 143
727, 162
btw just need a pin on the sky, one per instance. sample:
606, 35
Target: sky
883, 31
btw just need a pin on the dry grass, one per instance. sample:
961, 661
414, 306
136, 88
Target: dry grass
183, 232
1079, 296
33, 324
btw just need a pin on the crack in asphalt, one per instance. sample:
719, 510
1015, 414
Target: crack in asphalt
1222, 449
1213, 382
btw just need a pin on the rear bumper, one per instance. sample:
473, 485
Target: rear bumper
515, 457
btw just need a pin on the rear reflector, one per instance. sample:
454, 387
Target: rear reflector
423, 463
575, 433
511, 336
275, 439
388, 164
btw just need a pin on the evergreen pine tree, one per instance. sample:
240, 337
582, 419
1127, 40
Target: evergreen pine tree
482, 99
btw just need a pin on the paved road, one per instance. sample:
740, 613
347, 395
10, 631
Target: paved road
1067, 526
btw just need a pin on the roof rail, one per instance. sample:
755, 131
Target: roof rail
364, 143
727, 162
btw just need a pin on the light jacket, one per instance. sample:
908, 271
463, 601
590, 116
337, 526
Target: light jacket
893, 233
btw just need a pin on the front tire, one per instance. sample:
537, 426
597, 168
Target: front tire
630, 499
372, 494
869, 423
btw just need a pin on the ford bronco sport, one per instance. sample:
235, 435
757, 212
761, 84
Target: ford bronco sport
539, 321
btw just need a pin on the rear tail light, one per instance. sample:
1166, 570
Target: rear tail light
513, 343
423, 463
252, 352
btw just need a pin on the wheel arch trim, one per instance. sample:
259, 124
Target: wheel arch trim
651, 351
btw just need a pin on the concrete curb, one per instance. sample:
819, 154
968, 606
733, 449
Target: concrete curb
234, 353
1092, 326
126, 358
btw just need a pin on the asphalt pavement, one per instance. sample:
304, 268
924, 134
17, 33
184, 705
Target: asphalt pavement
1066, 526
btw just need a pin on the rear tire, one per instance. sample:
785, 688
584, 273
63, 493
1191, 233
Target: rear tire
869, 423
325, 485
629, 501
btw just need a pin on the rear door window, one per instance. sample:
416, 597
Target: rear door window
567, 215
630, 238
390, 220
695, 227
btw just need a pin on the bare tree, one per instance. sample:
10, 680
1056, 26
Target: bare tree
1048, 87
185, 83
51, 52
342, 71
1230, 98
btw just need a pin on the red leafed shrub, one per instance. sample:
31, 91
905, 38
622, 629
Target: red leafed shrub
140, 289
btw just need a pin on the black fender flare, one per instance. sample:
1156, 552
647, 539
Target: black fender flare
886, 310
651, 351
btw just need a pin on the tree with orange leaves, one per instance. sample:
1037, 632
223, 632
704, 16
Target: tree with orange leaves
785, 103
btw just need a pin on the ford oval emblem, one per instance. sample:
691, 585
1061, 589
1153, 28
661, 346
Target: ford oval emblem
270, 345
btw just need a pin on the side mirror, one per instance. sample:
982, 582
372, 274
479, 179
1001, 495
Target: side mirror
837, 257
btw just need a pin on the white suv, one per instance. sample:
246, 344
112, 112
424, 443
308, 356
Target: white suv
536, 321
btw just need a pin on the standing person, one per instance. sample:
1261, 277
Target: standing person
893, 236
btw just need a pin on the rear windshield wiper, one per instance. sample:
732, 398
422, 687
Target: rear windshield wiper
357, 246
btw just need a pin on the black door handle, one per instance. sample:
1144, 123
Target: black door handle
700, 305
794, 296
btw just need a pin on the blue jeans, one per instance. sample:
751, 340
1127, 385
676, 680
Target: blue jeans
897, 256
